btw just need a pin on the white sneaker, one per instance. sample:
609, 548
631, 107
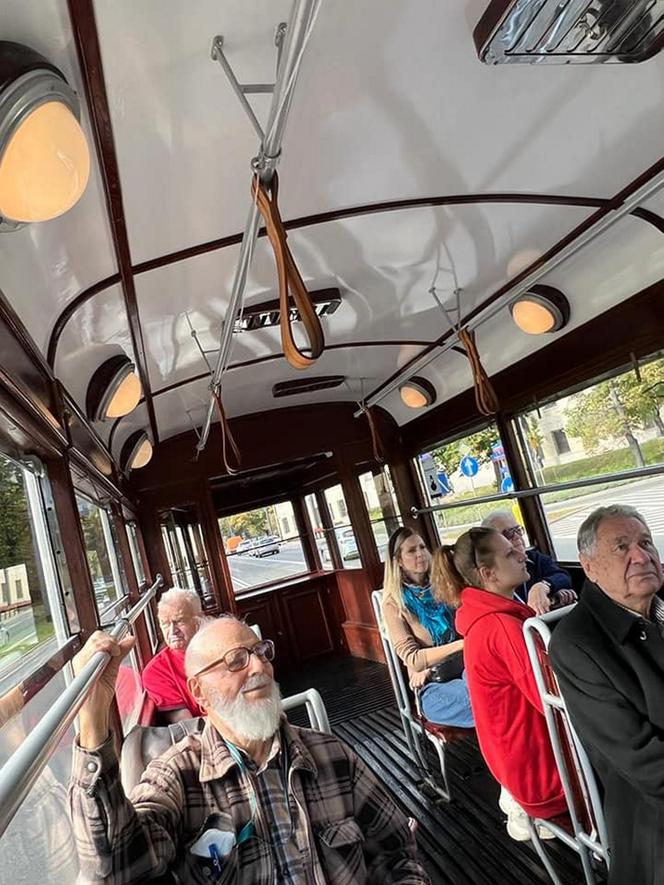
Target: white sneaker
517, 819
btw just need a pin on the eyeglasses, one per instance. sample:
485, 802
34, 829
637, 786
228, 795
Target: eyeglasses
237, 659
515, 531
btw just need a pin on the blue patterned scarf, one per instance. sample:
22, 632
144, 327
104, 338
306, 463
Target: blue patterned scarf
436, 617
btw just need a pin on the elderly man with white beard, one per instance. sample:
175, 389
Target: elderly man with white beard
250, 800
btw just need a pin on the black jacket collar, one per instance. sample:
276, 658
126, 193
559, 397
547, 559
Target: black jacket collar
616, 620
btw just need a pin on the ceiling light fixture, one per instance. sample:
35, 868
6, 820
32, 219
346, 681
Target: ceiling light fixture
136, 451
44, 155
541, 310
417, 393
114, 389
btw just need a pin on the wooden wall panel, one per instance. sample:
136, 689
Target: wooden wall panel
308, 622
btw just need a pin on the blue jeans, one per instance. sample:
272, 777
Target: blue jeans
447, 703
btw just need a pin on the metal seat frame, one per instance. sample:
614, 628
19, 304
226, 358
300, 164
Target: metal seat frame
415, 726
585, 804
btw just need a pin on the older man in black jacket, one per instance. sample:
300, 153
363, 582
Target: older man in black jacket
609, 657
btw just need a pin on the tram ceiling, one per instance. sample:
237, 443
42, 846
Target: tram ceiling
366, 128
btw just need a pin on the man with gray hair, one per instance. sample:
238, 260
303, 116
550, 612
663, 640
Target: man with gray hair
180, 615
249, 800
608, 654
548, 584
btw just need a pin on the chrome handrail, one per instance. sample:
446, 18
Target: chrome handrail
19, 774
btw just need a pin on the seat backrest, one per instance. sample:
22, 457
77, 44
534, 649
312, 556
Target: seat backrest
576, 772
393, 662
257, 630
312, 700
145, 742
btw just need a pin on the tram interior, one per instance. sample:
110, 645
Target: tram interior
431, 189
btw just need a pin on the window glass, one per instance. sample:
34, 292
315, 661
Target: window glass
107, 579
381, 504
38, 845
132, 536
315, 518
186, 551
348, 549
129, 691
609, 427
463, 473
262, 546
30, 613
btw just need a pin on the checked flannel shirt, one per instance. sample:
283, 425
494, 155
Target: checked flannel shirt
340, 809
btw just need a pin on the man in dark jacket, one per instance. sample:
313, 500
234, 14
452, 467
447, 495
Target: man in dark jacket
548, 585
609, 657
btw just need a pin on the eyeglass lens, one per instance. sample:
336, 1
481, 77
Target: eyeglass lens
238, 658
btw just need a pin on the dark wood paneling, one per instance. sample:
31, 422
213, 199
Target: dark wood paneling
264, 610
307, 622
355, 590
222, 586
86, 441
363, 641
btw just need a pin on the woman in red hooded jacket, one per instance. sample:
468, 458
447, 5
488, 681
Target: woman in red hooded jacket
483, 569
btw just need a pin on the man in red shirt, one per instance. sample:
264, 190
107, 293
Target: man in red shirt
180, 615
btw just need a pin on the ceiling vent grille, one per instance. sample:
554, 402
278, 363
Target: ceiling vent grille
267, 314
306, 385
570, 31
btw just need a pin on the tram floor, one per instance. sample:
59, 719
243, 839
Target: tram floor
463, 842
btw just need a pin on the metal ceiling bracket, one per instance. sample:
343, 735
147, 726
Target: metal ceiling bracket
244, 89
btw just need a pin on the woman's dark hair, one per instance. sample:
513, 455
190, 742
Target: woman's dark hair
455, 567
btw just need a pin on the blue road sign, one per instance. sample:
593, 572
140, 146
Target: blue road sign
507, 485
469, 465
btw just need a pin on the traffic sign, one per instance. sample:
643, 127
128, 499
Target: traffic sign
469, 466
430, 474
507, 485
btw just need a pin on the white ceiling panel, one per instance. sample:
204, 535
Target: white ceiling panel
43, 266
97, 331
392, 102
384, 265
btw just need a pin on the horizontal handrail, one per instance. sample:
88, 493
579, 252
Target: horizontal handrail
19, 774
637, 473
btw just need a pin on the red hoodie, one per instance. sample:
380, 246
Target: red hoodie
508, 712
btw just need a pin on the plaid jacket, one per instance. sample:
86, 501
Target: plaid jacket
339, 807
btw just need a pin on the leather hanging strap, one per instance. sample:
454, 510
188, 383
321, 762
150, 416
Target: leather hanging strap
227, 439
375, 436
485, 396
289, 280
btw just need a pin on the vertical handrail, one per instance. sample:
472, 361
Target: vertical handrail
19, 774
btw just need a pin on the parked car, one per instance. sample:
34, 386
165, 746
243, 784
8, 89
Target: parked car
266, 546
347, 546
245, 546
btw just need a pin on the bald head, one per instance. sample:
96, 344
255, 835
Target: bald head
214, 639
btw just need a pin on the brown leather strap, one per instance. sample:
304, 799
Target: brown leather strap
227, 438
375, 436
289, 280
485, 396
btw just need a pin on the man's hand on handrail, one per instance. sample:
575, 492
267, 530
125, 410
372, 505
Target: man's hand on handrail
94, 714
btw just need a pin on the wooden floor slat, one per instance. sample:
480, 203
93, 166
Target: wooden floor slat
463, 842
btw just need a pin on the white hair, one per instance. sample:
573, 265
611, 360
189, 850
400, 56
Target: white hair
181, 596
586, 538
492, 518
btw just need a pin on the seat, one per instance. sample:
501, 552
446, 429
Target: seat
416, 727
145, 743
585, 829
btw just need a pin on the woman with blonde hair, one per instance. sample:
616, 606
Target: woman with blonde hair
421, 629
481, 572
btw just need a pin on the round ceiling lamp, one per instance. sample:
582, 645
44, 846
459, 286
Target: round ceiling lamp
541, 310
136, 451
416, 393
114, 389
44, 154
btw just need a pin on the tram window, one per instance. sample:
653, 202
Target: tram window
105, 567
186, 551
38, 845
315, 518
262, 546
463, 473
610, 426
348, 549
381, 505
132, 537
30, 602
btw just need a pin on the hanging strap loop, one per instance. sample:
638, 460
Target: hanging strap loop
376, 443
289, 280
227, 439
485, 396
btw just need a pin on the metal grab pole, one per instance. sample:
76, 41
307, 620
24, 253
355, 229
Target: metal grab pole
267, 160
20, 772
